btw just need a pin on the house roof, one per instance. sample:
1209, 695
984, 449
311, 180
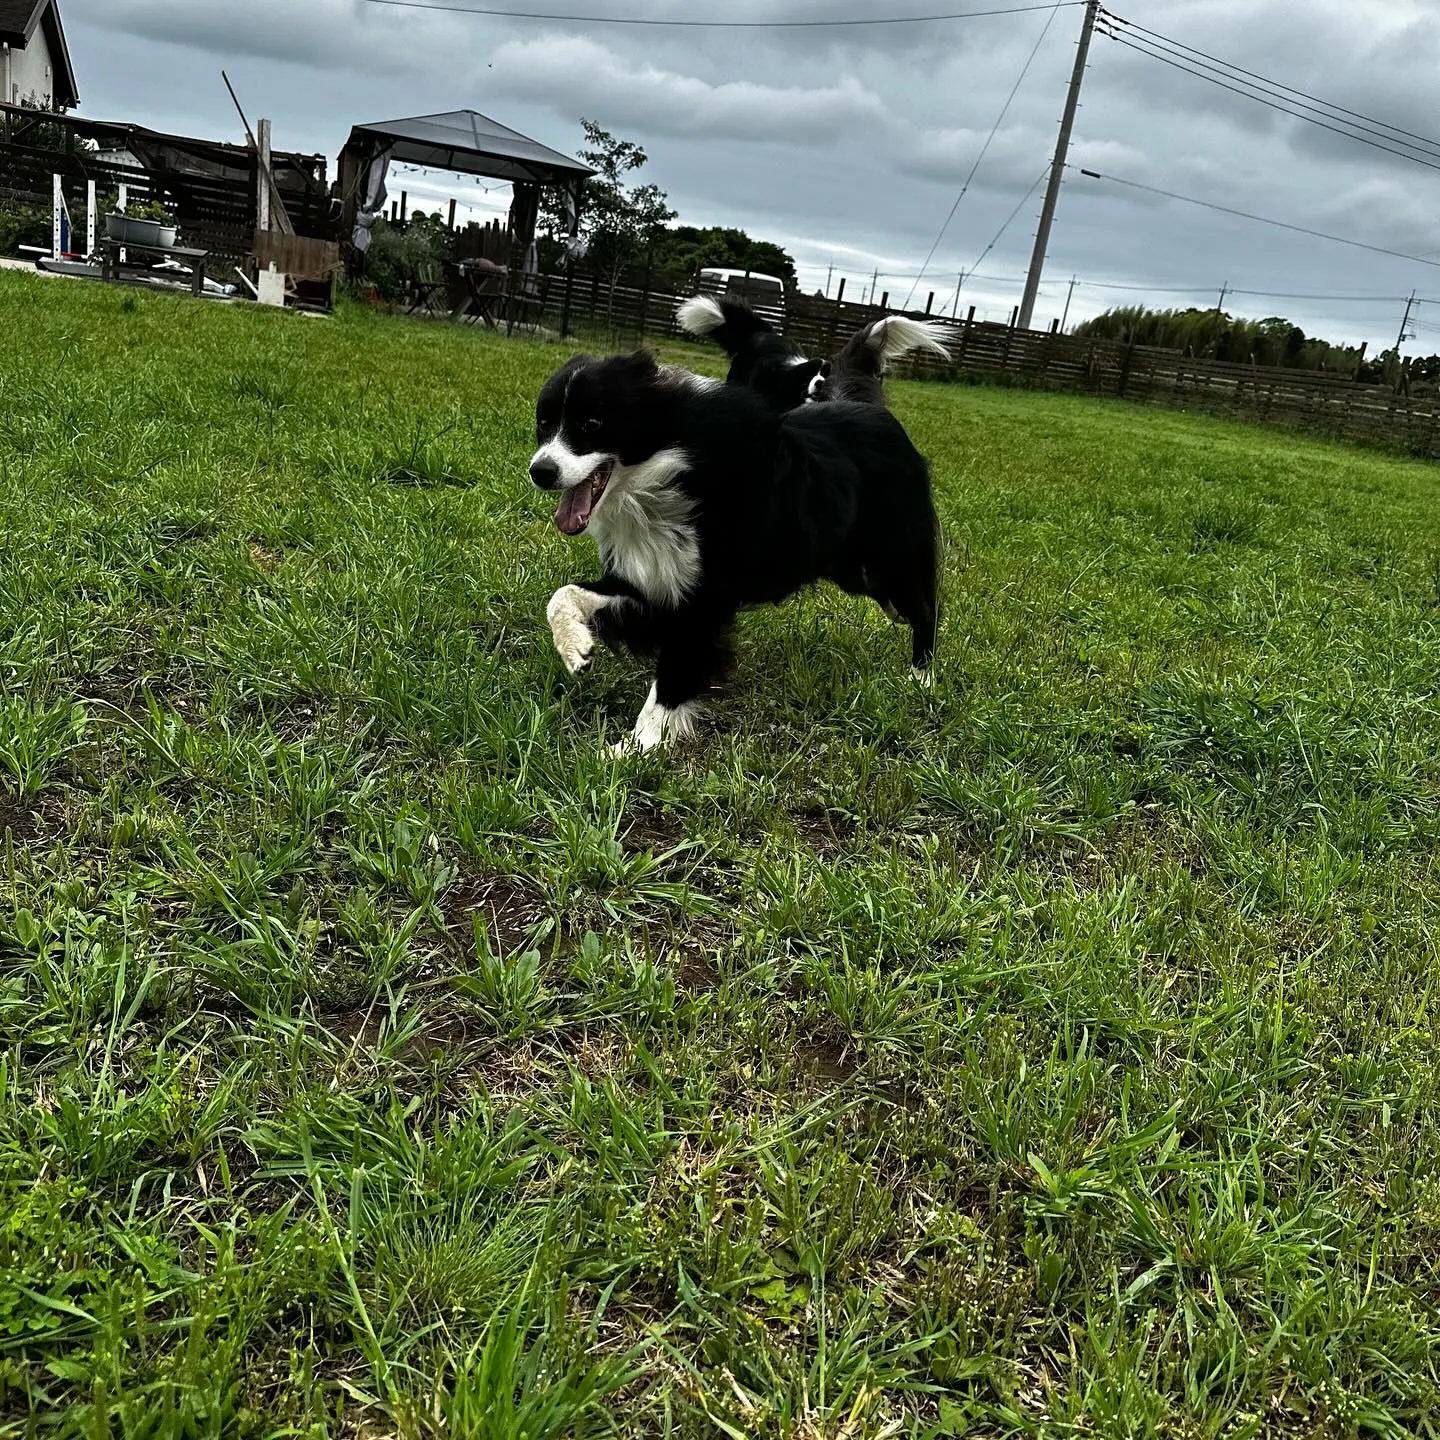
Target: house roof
471, 143
19, 20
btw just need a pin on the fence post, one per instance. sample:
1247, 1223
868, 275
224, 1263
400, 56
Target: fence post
929, 302
1009, 336
1125, 370
835, 316
565, 303
964, 341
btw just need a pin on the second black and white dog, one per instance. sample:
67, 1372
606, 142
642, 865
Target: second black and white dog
703, 499
780, 371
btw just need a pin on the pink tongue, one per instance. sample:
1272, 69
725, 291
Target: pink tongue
573, 514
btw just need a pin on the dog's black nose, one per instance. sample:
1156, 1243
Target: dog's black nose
545, 473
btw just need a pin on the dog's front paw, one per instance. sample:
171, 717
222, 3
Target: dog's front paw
569, 613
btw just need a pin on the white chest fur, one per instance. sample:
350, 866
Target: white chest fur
644, 528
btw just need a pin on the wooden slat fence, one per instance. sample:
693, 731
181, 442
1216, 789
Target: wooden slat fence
1311, 401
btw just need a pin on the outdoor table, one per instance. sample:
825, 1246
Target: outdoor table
110, 264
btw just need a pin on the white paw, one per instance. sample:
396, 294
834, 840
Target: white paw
569, 613
657, 724
923, 678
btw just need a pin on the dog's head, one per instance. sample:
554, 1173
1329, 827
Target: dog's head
592, 419
785, 385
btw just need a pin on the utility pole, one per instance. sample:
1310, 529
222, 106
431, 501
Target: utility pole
1070, 295
829, 275
1057, 167
874, 285
1220, 303
1405, 325
955, 308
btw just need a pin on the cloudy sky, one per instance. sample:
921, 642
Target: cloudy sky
850, 145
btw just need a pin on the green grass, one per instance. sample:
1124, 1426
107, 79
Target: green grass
1051, 1052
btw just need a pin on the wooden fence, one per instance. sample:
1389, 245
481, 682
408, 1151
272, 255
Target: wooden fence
1312, 401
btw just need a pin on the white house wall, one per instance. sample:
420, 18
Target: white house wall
31, 73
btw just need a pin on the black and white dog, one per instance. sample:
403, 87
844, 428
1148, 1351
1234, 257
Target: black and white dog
780, 371
703, 499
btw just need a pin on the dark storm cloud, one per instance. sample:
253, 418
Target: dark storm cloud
850, 145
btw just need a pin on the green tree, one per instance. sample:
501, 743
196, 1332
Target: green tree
619, 219
688, 248
1216, 335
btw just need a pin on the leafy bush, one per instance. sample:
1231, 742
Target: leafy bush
401, 254
22, 224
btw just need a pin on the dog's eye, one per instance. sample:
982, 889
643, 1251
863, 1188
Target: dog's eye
590, 426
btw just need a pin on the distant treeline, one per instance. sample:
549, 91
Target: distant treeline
1215, 335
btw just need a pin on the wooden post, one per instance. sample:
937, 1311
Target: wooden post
645, 294
964, 339
565, 303
262, 175
835, 316
404, 204
885, 301
1124, 382
929, 302
450, 223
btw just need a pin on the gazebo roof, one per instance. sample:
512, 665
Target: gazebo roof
473, 144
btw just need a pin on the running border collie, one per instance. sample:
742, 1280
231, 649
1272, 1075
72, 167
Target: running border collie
780, 371
703, 500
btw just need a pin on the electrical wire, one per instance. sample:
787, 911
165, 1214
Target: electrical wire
984, 149
714, 24
1236, 290
1431, 163
1265, 80
1261, 219
1429, 150
1009, 220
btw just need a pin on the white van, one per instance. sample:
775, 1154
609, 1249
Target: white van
762, 292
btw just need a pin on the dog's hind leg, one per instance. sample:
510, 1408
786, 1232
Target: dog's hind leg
905, 582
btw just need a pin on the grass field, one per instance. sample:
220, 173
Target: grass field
1050, 1052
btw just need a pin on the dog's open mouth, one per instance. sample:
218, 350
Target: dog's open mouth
573, 514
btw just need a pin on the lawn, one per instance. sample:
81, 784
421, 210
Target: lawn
1049, 1052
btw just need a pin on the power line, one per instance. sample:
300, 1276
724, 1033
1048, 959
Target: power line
1009, 220
1431, 162
1273, 84
1261, 219
1236, 290
994, 130
713, 24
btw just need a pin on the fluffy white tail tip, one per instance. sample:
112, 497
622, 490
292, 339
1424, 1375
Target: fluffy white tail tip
897, 335
699, 315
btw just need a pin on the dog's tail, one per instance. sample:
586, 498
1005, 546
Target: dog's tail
727, 322
869, 351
